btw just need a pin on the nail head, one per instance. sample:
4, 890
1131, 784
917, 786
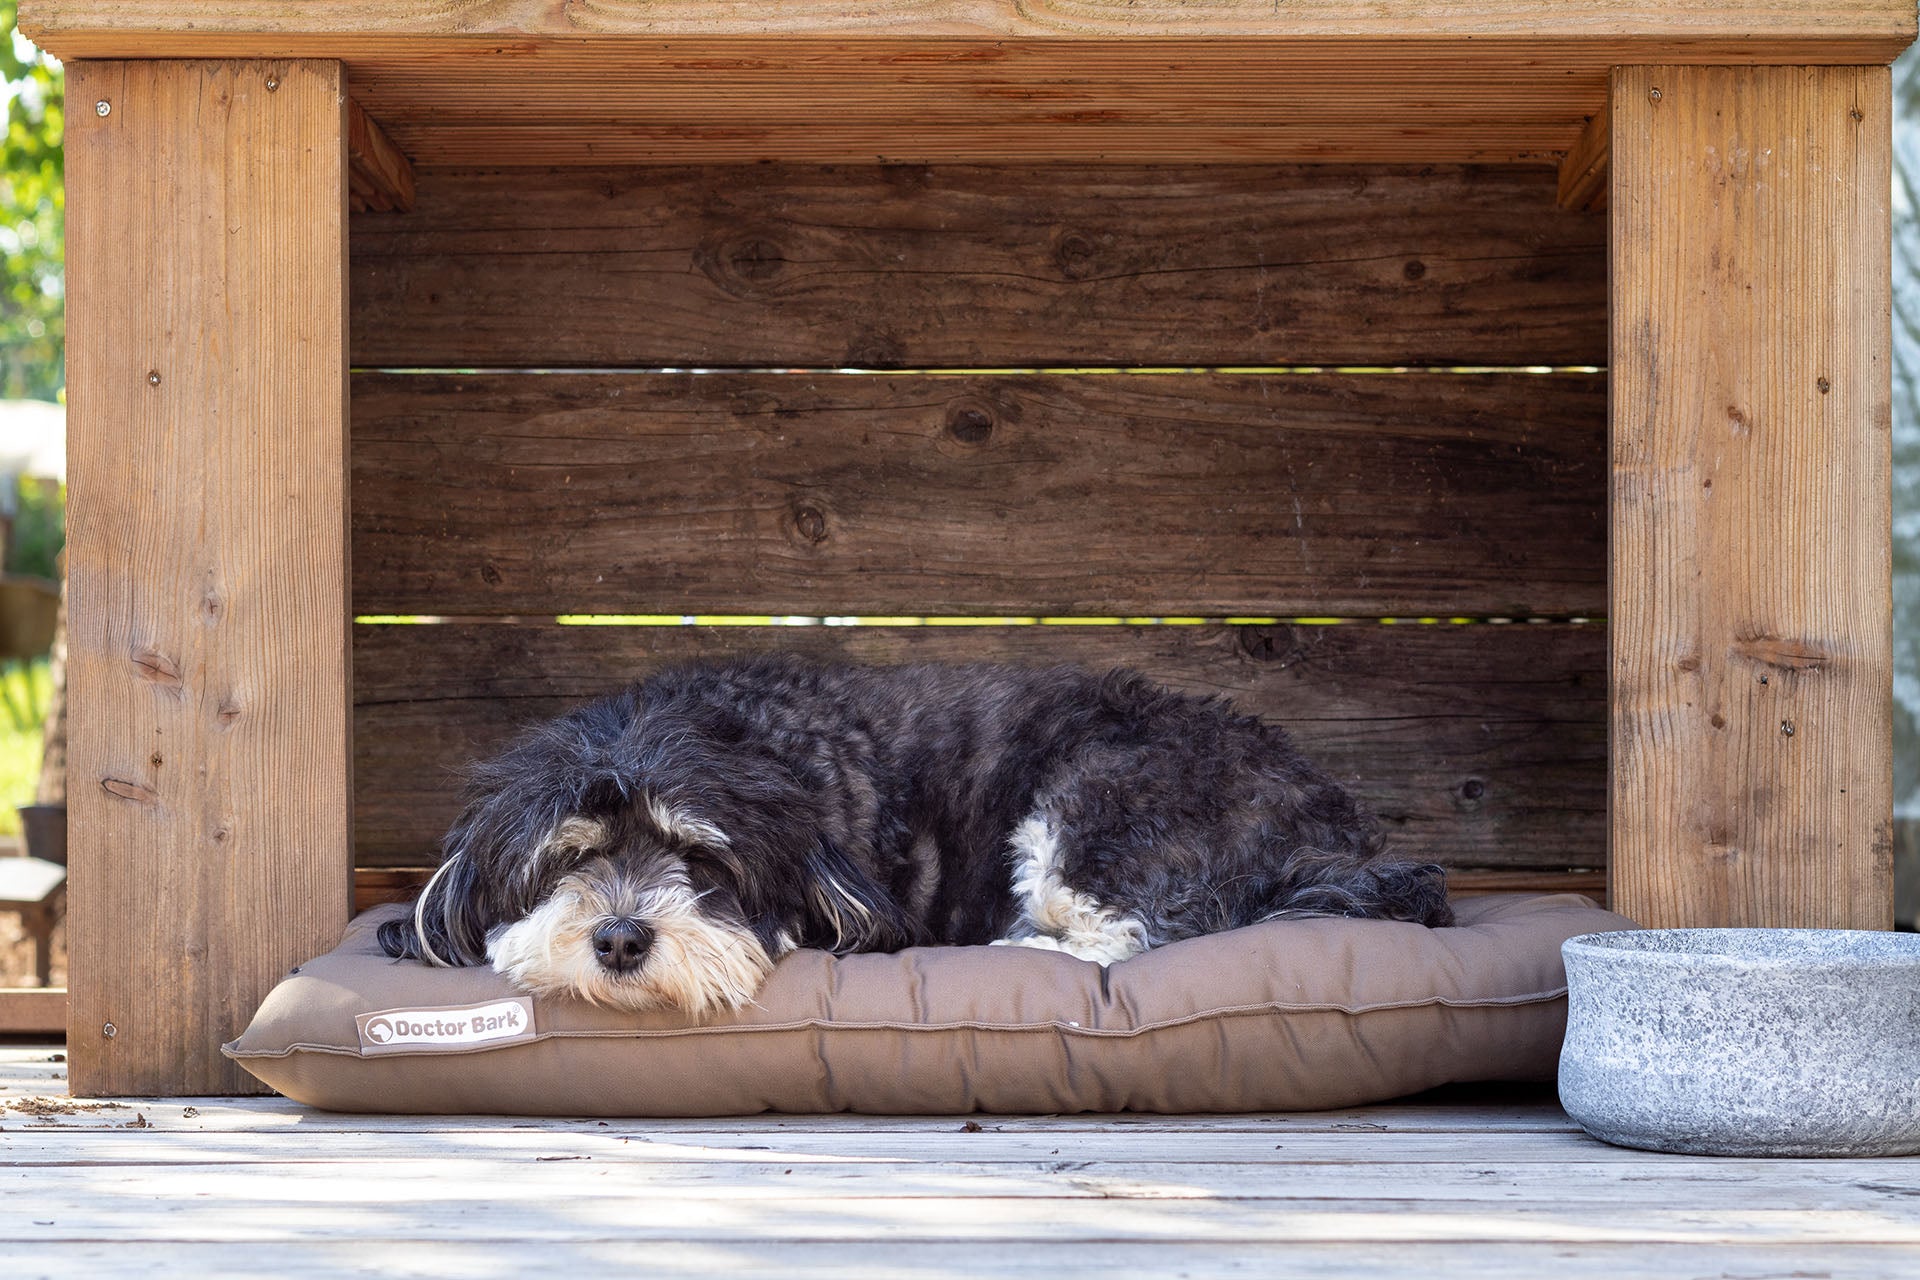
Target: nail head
103, 108
109, 1031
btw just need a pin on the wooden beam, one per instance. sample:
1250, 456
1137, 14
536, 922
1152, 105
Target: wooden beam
505, 22
379, 175
532, 82
1583, 170
373, 886
208, 766
1750, 442
33, 1011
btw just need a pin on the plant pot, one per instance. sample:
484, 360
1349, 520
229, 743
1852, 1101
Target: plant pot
45, 829
1749, 1042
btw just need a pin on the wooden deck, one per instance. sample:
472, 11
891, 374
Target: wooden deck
1455, 1187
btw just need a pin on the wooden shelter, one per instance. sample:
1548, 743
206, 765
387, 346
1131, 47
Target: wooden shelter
1555, 334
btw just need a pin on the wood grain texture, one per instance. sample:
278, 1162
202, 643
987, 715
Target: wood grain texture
1751, 598
400, 21
208, 754
33, 1011
1583, 170
909, 267
639, 82
379, 176
1122, 494
1479, 746
373, 886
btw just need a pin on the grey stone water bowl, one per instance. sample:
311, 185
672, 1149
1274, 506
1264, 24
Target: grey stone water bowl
1745, 1042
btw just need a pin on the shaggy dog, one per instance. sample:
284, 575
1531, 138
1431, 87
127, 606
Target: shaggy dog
663, 847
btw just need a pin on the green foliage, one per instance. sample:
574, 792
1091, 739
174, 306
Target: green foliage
39, 529
32, 220
24, 692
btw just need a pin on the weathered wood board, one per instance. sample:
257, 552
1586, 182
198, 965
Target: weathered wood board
1478, 745
1751, 664
830, 494
970, 266
208, 762
610, 81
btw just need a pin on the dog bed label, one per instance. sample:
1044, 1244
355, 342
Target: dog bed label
455, 1027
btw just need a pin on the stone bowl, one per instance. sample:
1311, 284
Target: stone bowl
1745, 1042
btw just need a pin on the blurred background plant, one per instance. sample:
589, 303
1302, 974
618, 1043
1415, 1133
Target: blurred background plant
32, 369
32, 221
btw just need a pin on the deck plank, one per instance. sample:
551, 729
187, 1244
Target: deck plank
857, 1260
1484, 1183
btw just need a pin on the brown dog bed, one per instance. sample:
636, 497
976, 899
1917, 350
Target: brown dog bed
1288, 1015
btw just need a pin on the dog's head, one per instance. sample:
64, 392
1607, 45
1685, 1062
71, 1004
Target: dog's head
639, 878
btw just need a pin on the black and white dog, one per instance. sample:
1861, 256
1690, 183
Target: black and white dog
665, 846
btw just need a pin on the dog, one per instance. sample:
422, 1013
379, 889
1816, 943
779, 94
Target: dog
664, 847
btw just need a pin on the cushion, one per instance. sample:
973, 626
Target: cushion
1289, 1015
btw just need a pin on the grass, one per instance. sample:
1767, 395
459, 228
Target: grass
24, 694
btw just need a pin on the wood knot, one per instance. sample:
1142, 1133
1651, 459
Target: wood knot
1781, 654
744, 265
1272, 644
156, 668
1075, 255
137, 792
1822, 385
810, 522
489, 574
1414, 270
970, 421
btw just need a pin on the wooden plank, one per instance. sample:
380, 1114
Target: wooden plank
379, 176
412, 21
373, 886
951, 1188
208, 805
1751, 412
238, 1205
1478, 746
529, 82
981, 267
1583, 170
836, 495
28, 1011
1191, 1259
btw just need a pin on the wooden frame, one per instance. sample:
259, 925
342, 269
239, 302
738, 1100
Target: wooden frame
210, 762
208, 804
1752, 412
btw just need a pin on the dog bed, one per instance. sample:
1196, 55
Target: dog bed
1289, 1015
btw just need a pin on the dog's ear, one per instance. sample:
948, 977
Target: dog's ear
448, 923
501, 852
846, 912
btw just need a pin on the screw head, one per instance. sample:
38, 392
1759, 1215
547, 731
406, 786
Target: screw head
273, 82
103, 108
108, 1030
153, 377
1653, 94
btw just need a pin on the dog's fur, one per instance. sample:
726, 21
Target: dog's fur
665, 846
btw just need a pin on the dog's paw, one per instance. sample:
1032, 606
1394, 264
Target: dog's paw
1100, 949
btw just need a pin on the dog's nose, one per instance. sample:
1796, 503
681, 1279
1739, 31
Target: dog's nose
620, 945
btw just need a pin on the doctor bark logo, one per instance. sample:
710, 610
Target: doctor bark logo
448, 1028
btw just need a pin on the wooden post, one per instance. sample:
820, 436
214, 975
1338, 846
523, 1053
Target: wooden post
209, 789
1751, 599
